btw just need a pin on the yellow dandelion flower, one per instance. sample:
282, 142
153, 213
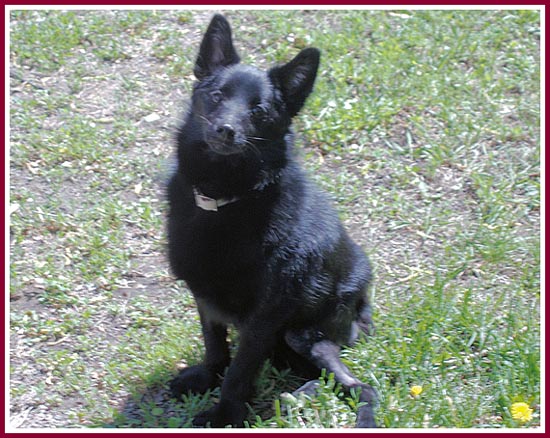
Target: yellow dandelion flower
416, 390
521, 412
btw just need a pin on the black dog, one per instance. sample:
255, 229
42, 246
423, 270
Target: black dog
258, 245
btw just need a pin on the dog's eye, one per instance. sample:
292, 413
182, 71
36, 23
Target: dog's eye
216, 96
258, 111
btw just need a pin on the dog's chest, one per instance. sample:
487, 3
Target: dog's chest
226, 275
219, 254
220, 243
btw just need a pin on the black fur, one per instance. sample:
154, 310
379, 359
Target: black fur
275, 261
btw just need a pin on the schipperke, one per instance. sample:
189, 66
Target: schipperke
257, 243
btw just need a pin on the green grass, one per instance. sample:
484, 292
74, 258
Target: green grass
424, 126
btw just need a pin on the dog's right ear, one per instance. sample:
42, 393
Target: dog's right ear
216, 48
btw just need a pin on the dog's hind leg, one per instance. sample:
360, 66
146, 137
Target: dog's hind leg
326, 354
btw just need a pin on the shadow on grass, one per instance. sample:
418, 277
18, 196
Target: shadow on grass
155, 407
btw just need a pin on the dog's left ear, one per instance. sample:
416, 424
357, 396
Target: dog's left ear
295, 79
216, 48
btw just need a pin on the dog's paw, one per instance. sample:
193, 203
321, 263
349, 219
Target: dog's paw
196, 379
221, 415
308, 388
365, 412
365, 418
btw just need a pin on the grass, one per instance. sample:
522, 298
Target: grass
424, 126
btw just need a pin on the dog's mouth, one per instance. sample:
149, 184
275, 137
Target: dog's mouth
221, 146
222, 149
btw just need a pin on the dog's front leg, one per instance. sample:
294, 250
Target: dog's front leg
202, 377
238, 385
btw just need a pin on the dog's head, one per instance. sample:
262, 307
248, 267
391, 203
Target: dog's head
240, 108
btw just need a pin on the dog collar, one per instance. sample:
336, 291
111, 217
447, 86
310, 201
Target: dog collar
210, 204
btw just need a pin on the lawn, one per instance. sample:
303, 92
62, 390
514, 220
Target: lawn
425, 128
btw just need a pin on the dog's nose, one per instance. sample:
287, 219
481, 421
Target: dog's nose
226, 130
